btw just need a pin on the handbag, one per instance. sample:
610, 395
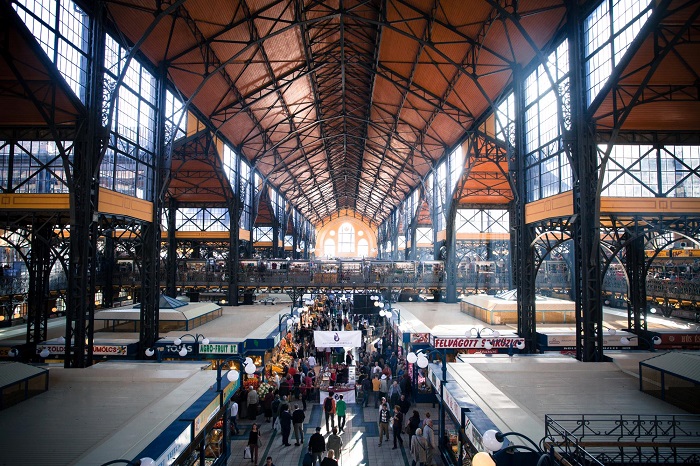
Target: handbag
246, 453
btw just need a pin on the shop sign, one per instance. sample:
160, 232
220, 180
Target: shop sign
97, 350
176, 448
420, 337
348, 396
451, 404
207, 415
219, 348
500, 342
230, 389
569, 341
276, 341
684, 340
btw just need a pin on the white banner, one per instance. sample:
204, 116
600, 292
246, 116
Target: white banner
345, 339
348, 396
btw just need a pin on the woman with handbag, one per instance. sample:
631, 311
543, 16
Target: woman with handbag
254, 441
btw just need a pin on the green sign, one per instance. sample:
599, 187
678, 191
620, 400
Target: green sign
219, 348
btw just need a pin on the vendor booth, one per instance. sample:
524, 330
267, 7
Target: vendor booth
338, 379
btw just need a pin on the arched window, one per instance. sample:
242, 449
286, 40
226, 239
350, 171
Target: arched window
329, 248
346, 238
362, 248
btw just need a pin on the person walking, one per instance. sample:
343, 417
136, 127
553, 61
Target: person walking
394, 394
267, 405
334, 443
329, 410
383, 423
275, 409
298, 417
330, 459
234, 415
413, 425
366, 390
253, 400
397, 426
254, 441
383, 386
429, 436
268, 461
376, 390
285, 425
317, 445
340, 408
419, 448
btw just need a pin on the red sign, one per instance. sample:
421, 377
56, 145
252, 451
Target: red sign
679, 340
500, 342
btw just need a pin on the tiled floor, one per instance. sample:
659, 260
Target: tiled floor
360, 440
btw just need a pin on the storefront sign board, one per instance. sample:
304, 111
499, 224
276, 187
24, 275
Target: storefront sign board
97, 350
176, 448
458, 342
219, 348
206, 415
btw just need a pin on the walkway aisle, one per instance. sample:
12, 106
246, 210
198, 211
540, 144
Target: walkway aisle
360, 440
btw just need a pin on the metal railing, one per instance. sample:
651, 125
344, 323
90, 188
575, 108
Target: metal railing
643, 439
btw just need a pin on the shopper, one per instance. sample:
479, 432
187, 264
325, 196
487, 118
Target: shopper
376, 390
234, 415
285, 424
394, 394
254, 441
317, 445
269, 462
275, 409
330, 459
430, 441
253, 400
413, 425
383, 423
419, 448
329, 410
397, 426
334, 442
298, 417
366, 390
340, 408
267, 405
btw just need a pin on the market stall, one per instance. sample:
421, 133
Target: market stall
338, 379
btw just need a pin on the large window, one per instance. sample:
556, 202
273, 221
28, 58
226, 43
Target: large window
62, 29
329, 248
482, 221
648, 171
128, 164
33, 167
546, 164
208, 219
346, 238
608, 36
362, 248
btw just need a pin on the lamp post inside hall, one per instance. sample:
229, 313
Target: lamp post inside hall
420, 358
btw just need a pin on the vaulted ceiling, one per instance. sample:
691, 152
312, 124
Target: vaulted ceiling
341, 104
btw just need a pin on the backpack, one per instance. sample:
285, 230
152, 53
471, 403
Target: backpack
328, 405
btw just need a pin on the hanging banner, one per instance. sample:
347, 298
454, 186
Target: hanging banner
344, 339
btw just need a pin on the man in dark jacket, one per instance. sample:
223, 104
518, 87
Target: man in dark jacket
285, 424
298, 417
366, 390
275, 410
317, 445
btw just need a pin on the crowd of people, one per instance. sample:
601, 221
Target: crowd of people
383, 378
